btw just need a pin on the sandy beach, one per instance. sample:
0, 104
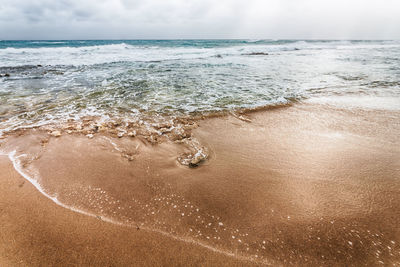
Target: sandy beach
306, 184
36, 232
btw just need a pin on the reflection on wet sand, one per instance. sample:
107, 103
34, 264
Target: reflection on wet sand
304, 185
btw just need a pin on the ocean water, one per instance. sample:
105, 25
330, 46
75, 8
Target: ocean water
46, 82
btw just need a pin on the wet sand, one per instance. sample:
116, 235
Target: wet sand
300, 185
36, 232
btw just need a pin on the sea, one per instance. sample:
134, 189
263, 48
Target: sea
47, 82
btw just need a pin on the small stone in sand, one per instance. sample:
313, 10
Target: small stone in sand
132, 134
90, 136
130, 157
55, 133
198, 158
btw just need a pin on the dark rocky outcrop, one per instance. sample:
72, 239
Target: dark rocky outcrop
256, 54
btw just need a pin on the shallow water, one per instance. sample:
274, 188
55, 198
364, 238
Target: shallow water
267, 194
56, 81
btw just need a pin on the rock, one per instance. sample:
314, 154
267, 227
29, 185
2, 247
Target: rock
165, 130
120, 134
6, 75
132, 134
191, 126
55, 133
152, 139
129, 157
102, 128
39, 65
240, 117
191, 165
197, 158
175, 136
257, 54
90, 136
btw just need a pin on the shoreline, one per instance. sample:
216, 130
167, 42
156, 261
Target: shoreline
37, 186
37, 232
267, 157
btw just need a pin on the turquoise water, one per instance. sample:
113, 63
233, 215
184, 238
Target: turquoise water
50, 81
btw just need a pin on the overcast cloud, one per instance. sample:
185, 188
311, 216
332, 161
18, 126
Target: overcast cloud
161, 19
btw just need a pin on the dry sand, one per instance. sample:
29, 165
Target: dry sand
301, 185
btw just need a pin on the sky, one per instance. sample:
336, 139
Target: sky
199, 19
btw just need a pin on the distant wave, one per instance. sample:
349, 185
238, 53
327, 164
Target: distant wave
48, 42
43, 48
79, 53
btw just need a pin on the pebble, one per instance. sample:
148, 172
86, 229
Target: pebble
132, 134
55, 133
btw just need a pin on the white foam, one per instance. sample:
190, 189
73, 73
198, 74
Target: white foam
365, 102
109, 53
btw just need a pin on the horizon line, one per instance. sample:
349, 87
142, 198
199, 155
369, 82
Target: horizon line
203, 39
